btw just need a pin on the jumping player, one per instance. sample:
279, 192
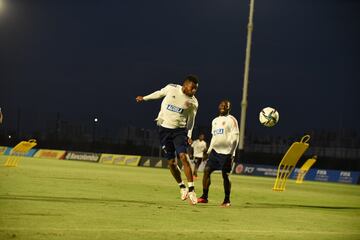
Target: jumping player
224, 141
176, 121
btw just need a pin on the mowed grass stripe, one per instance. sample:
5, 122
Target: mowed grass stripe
174, 231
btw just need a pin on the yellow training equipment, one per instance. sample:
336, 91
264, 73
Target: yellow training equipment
304, 169
18, 152
289, 161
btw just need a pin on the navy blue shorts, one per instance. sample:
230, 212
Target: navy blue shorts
198, 160
219, 161
173, 140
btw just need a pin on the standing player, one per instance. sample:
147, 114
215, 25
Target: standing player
199, 147
176, 121
224, 141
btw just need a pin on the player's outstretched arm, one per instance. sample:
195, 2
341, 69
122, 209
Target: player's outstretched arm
155, 95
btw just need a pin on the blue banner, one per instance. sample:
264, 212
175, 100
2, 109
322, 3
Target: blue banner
324, 175
314, 174
30, 153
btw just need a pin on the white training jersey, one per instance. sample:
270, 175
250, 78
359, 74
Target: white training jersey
199, 148
225, 135
177, 109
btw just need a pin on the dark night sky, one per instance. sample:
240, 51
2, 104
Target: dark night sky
85, 58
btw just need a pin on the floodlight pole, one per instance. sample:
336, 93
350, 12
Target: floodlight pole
246, 77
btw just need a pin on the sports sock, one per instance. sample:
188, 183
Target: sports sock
205, 193
191, 186
182, 184
227, 187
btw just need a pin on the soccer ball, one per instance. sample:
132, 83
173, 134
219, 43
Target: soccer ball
268, 117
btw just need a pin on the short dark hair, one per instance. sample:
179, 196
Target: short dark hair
192, 78
225, 100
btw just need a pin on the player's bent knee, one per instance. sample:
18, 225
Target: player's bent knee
183, 158
207, 170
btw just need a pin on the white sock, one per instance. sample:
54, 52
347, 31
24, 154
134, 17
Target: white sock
182, 183
190, 184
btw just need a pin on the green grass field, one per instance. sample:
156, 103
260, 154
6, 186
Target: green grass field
58, 199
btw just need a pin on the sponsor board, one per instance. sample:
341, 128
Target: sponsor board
314, 174
2, 150
146, 163
256, 170
83, 156
333, 176
116, 159
321, 175
153, 162
30, 153
160, 162
346, 177
49, 153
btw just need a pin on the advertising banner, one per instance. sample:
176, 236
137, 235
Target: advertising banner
314, 174
49, 153
83, 156
116, 159
2, 150
256, 170
324, 175
30, 153
153, 162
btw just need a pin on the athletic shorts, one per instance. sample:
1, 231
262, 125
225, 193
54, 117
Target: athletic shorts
218, 161
173, 140
197, 159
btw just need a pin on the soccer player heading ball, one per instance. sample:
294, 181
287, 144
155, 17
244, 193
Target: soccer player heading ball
222, 149
176, 121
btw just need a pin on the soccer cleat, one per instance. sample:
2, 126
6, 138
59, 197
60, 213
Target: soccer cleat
184, 193
192, 198
225, 204
202, 200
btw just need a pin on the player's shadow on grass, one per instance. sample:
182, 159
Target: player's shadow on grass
72, 199
285, 205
